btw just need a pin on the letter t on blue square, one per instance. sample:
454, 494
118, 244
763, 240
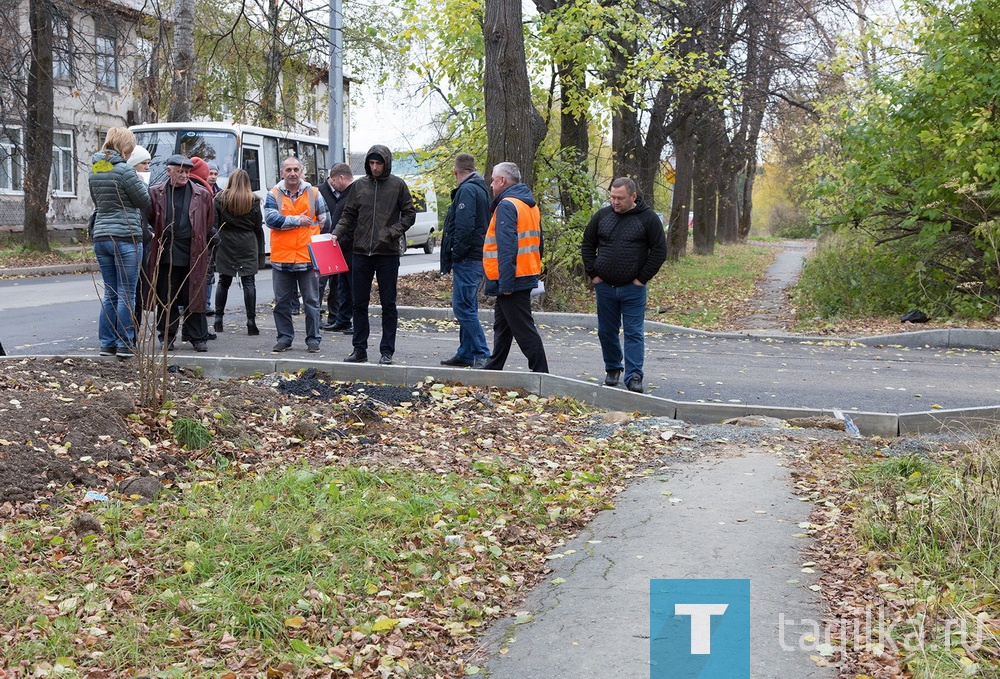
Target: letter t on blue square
699, 629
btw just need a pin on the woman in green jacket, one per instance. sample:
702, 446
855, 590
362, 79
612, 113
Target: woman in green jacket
120, 197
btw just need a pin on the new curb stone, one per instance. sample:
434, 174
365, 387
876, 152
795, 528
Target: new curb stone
870, 424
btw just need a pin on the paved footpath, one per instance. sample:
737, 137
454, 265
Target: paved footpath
735, 518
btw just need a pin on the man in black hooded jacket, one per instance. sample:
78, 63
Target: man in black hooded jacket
376, 216
623, 247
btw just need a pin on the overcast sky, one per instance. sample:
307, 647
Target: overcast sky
394, 117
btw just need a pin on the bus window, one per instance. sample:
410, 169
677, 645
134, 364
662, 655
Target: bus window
270, 161
251, 163
286, 148
307, 154
161, 144
216, 146
322, 170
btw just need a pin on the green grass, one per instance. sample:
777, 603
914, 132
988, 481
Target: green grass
283, 565
935, 524
13, 256
698, 291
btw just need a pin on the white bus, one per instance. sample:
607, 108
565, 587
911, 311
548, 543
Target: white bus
259, 151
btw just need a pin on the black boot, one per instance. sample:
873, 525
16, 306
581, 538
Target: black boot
250, 302
221, 297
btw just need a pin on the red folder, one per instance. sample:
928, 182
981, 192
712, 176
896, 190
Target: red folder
326, 255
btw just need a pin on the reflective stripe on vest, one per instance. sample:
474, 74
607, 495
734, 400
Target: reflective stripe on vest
529, 241
291, 246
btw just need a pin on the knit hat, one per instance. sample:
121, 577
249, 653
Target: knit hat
139, 155
212, 166
200, 169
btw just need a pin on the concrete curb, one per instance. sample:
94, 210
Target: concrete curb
945, 338
606, 398
50, 270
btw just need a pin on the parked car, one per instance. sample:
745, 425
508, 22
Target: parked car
424, 232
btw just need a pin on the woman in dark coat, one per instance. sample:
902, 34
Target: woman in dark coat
241, 246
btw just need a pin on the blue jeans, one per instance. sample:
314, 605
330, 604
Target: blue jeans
622, 306
119, 262
284, 283
467, 275
385, 269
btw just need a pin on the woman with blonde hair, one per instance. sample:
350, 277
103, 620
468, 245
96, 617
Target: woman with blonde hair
120, 197
241, 246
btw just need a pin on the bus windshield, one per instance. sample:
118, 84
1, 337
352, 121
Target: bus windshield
218, 146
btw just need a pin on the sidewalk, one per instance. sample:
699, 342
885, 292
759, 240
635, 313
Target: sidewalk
726, 517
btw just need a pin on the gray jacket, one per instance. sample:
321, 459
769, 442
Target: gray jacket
119, 196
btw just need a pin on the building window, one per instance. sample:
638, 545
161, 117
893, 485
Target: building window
62, 48
11, 161
107, 58
62, 163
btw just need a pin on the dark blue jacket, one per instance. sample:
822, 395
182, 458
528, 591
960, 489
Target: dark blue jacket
506, 233
466, 222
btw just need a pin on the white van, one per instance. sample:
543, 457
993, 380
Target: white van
425, 231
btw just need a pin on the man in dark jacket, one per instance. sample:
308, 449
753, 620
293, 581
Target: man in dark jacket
376, 216
183, 219
335, 191
512, 262
462, 255
623, 247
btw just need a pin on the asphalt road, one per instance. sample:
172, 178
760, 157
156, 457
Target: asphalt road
58, 315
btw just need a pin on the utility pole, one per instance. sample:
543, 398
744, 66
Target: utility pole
335, 85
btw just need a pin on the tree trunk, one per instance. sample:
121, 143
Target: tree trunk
728, 187
574, 140
38, 128
705, 214
183, 73
272, 68
149, 83
746, 209
677, 236
514, 128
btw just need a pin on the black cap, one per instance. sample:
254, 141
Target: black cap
178, 159
374, 156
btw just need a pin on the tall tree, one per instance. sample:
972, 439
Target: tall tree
514, 127
183, 64
38, 128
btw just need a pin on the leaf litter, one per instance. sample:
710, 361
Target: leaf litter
69, 427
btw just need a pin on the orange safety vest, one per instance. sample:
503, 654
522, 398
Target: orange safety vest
291, 246
529, 241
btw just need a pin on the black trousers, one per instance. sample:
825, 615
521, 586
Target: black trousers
249, 283
332, 297
512, 321
172, 295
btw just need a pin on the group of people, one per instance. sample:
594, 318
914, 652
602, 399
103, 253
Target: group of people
499, 240
156, 245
